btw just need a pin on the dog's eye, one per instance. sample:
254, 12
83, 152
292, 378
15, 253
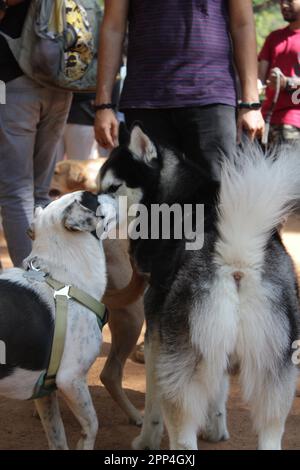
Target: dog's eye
113, 188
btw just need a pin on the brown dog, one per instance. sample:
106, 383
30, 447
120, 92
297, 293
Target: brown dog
126, 313
75, 175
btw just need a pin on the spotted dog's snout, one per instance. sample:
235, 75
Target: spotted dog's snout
107, 213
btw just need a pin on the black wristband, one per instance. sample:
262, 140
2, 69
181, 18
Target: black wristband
99, 107
255, 105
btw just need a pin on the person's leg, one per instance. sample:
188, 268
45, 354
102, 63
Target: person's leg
60, 150
55, 110
79, 141
157, 123
18, 124
207, 133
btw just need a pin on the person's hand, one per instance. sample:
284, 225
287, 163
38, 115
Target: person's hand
106, 128
251, 122
272, 80
2, 14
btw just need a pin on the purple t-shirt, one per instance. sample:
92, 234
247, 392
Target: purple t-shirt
179, 54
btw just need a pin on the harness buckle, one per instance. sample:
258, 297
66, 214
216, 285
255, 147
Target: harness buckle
33, 267
64, 291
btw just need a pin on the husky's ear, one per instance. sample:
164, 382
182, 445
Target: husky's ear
78, 218
141, 146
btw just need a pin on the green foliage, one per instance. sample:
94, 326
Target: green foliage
260, 5
268, 18
267, 15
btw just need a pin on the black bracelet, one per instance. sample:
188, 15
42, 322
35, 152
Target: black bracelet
99, 107
256, 105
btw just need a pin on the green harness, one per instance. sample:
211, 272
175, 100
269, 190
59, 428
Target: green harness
46, 383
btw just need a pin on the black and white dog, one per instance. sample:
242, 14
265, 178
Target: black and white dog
237, 296
64, 248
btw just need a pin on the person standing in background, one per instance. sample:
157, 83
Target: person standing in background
279, 65
180, 81
31, 124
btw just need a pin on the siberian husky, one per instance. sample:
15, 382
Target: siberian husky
235, 297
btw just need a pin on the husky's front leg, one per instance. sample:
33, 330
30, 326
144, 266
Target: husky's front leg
186, 396
270, 406
215, 429
181, 425
150, 436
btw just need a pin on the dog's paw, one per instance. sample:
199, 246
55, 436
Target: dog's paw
85, 444
143, 443
215, 429
80, 444
213, 436
136, 421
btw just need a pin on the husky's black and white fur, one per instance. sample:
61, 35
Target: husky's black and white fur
236, 297
65, 248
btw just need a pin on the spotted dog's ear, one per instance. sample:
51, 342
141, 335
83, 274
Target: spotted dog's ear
78, 218
141, 146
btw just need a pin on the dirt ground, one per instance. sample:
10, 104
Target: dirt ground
21, 430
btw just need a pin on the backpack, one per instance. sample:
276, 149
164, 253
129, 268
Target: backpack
59, 42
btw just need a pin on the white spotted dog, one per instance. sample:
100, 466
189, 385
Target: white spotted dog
66, 250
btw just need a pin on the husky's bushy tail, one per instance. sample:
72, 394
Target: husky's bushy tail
257, 192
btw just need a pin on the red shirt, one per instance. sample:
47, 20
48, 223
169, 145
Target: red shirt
282, 49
